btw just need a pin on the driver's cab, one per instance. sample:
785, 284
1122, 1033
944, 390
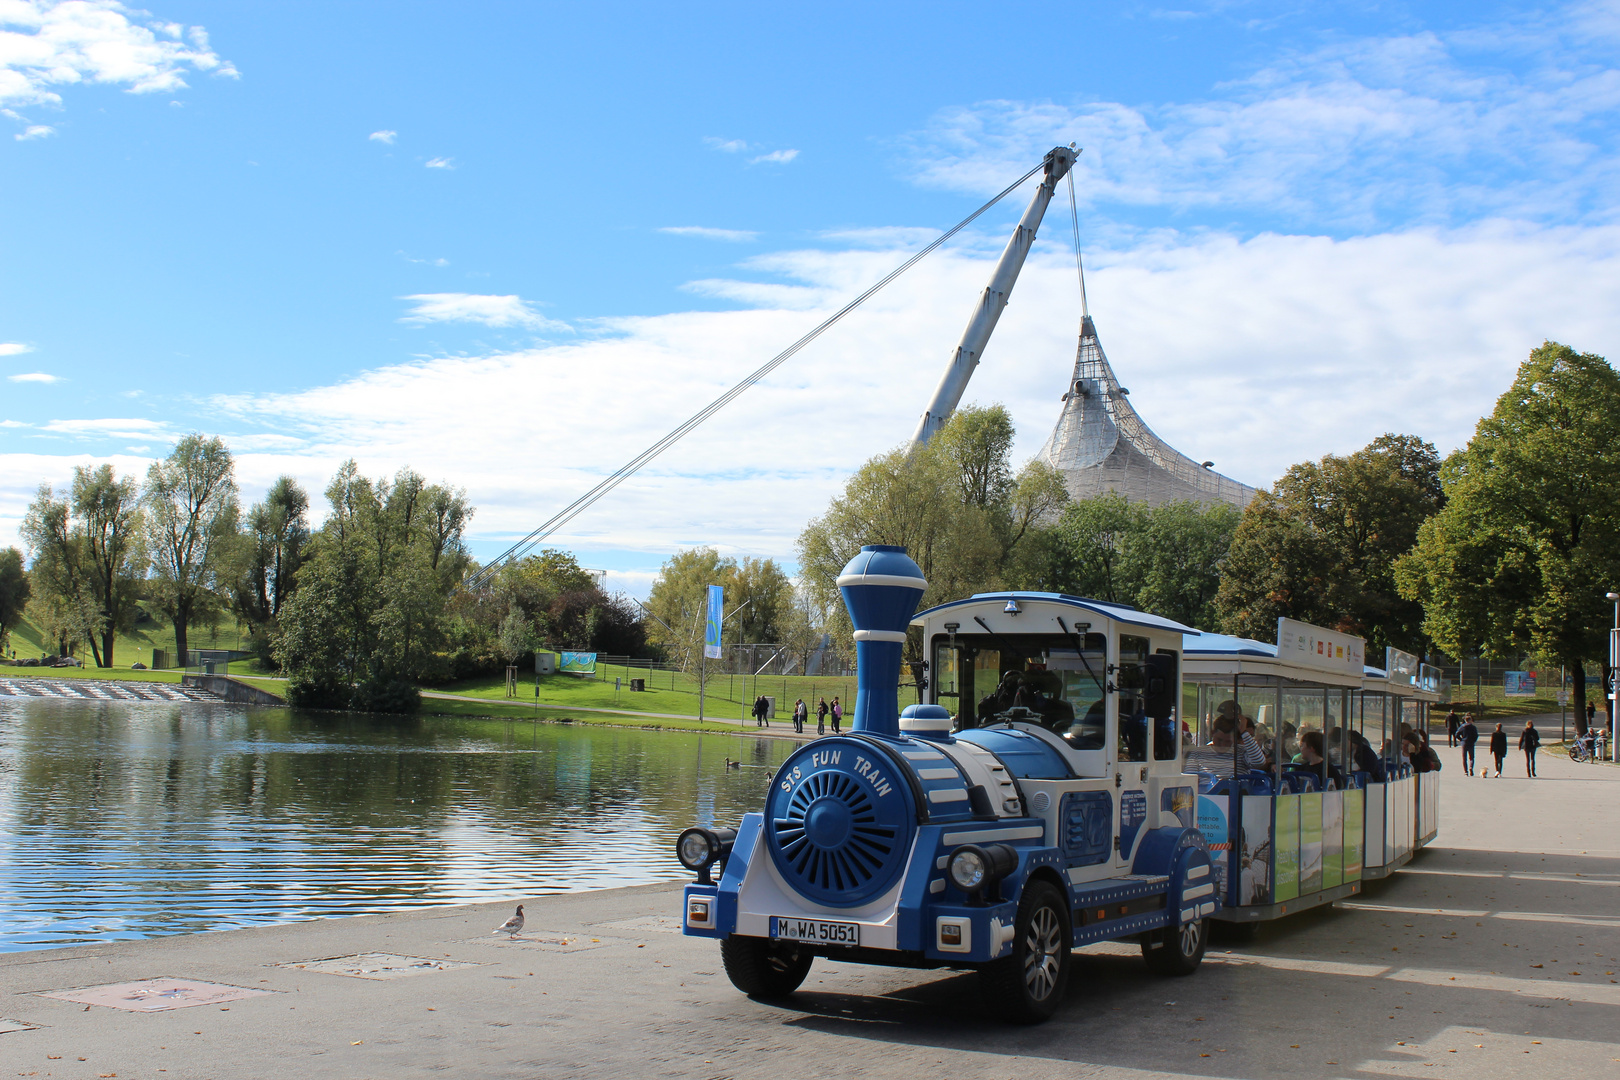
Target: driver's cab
1097, 685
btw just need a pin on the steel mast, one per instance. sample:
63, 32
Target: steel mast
993, 301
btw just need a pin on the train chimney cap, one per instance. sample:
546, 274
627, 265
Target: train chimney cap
882, 564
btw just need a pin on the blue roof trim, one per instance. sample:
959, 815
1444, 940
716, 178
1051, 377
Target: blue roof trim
1117, 612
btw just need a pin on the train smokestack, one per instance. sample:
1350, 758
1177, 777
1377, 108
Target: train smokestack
881, 588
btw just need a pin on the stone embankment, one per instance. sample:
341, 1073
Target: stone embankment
102, 690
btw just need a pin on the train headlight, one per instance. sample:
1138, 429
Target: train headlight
976, 870
698, 849
968, 869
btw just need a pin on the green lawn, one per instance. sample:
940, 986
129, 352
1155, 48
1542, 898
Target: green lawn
727, 696
503, 710
28, 641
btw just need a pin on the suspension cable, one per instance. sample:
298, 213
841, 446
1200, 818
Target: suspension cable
1074, 216
635, 464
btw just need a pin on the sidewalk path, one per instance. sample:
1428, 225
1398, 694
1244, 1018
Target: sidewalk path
1492, 957
781, 728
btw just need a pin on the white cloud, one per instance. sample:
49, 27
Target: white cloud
13, 348
1364, 134
776, 157
384, 136
108, 428
1252, 353
440, 163
498, 311
703, 232
34, 376
725, 146
45, 45
34, 131
13, 423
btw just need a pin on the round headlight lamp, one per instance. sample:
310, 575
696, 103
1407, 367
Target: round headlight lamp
968, 869
699, 849
976, 870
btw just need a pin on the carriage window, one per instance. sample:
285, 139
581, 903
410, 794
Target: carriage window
1131, 678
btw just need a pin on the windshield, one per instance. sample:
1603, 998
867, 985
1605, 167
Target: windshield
1038, 679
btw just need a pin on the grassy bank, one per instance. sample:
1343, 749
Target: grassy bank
667, 692
153, 632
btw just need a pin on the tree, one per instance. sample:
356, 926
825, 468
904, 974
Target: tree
1529, 538
1322, 546
1277, 567
1164, 559
268, 555
85, 550
368, 617
191, 515
14, 592
678, 601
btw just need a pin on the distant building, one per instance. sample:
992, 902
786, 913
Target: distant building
1101, 445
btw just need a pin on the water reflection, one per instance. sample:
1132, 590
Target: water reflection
124, 819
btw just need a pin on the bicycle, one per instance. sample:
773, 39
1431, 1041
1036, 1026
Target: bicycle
1580, 750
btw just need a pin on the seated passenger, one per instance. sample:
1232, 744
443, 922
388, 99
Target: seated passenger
1365, 758
1018, 693
1217, 757
1253, 754
1310, 756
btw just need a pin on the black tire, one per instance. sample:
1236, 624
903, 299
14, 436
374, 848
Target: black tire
764, 969
1177, 949
1028, 986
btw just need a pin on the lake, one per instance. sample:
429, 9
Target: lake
127, 820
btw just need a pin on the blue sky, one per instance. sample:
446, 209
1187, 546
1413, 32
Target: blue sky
511, 244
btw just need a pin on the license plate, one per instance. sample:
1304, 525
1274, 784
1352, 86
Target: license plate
815, 931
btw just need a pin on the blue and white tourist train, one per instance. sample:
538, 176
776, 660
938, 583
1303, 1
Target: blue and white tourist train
1051, 794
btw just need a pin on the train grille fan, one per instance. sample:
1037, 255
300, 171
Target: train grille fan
832, 839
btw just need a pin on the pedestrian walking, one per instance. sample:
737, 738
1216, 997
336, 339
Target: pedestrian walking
1451, 726
1499, 747
800, 714
821, 717
762, 709
1468, 735
1530, 742
837, 714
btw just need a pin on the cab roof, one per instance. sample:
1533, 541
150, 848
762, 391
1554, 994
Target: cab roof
1118, 612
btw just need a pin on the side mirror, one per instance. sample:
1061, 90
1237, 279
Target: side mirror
1163, 686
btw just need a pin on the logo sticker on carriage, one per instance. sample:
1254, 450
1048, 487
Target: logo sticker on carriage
873, 775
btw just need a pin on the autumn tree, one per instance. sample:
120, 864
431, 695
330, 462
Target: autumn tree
1528, 542
191, 517
1323, 544
86, 559
267, 557
14, 592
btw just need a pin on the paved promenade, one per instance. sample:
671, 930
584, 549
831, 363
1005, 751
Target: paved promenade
1494, 955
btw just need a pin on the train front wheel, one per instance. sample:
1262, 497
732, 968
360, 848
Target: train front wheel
1177, 949
764, 969
1027, 987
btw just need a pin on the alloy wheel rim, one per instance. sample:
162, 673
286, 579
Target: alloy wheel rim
1041, 946
1190, 933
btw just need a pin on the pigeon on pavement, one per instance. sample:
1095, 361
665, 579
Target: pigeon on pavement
513, 926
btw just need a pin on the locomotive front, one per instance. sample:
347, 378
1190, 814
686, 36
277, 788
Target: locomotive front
899, 844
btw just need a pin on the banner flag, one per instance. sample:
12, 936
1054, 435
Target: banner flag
579, 663
717, 614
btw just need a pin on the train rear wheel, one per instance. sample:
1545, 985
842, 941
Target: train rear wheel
764, 969
1177, 949
1028, 986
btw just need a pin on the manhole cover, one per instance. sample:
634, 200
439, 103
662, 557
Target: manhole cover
549, 941
377, 965
155, 995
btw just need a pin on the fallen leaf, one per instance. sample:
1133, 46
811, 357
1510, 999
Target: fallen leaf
53, 1057
1535, 965
357, 1042
1294, 1046
1203, 1055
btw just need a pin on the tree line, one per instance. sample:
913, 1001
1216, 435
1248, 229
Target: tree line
358, 613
